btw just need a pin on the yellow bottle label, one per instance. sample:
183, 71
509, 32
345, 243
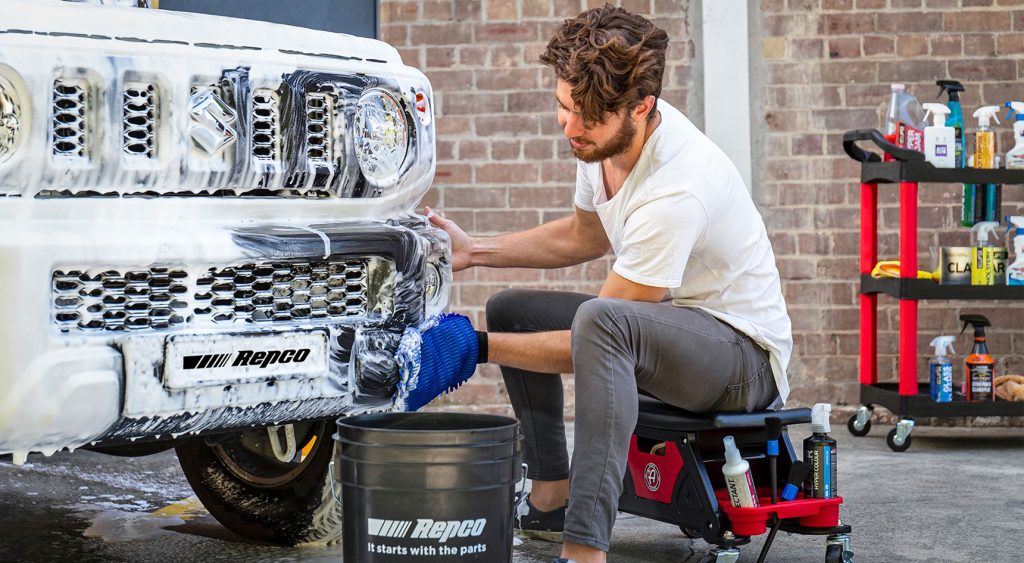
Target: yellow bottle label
984, 149
982, 271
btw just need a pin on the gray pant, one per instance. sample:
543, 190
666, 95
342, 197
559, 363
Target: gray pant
682, 356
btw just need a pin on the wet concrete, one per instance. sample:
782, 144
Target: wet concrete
956, 495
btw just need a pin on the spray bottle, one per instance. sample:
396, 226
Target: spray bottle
1015, 156
956, 116
940, 370
982, 268
737, 476
980, 366
820, 454
939, 139
1015, 271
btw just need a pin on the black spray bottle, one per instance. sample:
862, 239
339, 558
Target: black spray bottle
820, 455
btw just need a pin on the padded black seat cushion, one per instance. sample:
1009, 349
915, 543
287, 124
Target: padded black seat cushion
656, 414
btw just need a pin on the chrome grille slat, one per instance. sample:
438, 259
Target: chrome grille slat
265, 126
68, 118
165, 298
318, 127
138, 120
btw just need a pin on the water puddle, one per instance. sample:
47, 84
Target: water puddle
120, 518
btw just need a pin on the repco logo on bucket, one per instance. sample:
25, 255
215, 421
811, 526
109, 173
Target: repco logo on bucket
652, 477
441, 530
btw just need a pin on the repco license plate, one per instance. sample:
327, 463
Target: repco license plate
199, 360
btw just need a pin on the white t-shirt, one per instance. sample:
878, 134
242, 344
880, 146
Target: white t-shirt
683, 220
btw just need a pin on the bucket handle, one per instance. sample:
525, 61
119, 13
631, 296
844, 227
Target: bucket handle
330, 477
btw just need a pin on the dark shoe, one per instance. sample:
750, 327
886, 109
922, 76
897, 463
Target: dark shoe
532, 523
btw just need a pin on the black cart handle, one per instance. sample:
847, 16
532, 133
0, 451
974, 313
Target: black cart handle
850, 139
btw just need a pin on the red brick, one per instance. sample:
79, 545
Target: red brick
844, 48
508, 173
441, 34
806, 48
983, 69
506, 56
467, 9
912, 71
442, 57
506, 32
802, 145
501, 10
1007, 44
905, 4
507, 79
505, 150
538, 197
846, 72
947, 45
445, 150
803, 5
849, 24
475, 197
979, 45
911, 45
471, 149
791, 25
467, 103
453, 125
472, 55
866, 95
538, 149
870, 4
450, 173
842, 5
515, 125
437, 9
506, 221
536, 8
455, 79
558, 171
975, 21
879, 45
904, 22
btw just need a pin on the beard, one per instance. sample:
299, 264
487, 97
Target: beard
616, 146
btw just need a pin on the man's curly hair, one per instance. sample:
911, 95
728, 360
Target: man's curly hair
613, 59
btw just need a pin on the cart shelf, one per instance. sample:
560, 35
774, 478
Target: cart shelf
903, 288
888, 396
907, 169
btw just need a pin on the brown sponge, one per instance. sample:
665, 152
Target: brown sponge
1010, 387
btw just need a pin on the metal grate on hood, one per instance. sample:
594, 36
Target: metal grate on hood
318, 127
167, 298
68, 119
265, 126
138, 120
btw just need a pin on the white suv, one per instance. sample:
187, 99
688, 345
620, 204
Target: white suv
208, 242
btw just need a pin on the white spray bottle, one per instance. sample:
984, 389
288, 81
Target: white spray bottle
1015, 156
737, 476
940, 370
1015, 271
939, 140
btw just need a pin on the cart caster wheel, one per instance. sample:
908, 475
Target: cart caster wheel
834, 553
859, 431
896, 443
692, 533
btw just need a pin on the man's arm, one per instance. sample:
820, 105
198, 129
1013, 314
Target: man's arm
564, 242
551, 352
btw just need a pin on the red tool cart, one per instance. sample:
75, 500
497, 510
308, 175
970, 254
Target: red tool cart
907, 169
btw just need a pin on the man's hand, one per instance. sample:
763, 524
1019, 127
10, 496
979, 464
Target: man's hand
462, 244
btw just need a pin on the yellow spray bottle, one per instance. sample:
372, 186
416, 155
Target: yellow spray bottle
985, 138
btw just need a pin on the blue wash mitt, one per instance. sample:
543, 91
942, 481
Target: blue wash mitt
435, 358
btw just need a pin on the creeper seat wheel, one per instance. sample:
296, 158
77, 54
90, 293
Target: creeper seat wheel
851, 425
692, 533
891, 441
834, 553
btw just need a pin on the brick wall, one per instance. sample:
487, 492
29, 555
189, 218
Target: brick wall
827, 68
820, 67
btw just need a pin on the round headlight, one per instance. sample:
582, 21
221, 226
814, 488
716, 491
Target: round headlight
381, 135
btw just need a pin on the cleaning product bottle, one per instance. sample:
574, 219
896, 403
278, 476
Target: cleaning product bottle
1015, 156
982, 272
820, 454
993, 197
1015, 271
904, 119
956, 121
939, 139
940, 370
956, 116
981, 367
737, 476
985, 138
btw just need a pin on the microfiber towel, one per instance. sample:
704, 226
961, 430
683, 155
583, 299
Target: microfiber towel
434, 358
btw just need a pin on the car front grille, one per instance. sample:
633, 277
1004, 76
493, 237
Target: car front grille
245, 294
139, 115
68, 120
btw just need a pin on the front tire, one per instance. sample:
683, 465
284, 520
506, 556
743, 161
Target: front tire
252, 493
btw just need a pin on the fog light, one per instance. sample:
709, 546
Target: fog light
432, 281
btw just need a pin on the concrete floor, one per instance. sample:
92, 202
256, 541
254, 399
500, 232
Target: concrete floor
956, 495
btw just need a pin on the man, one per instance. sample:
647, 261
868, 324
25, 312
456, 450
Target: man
691, 313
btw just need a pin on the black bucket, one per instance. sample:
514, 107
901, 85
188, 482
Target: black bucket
428, 487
